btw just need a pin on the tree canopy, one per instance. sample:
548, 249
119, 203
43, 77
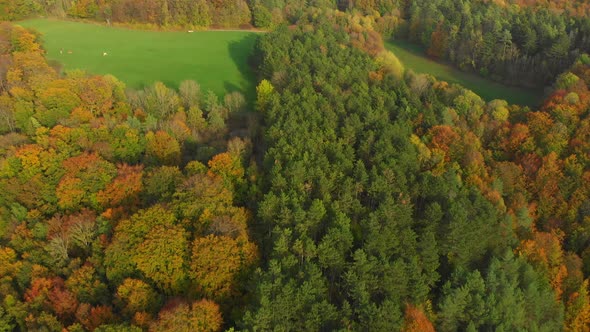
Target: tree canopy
351, 194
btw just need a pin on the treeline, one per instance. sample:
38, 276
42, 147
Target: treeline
398, 202
117, 213
529, 44
167, 13
523, 46
266, 14
526, 45
569, 7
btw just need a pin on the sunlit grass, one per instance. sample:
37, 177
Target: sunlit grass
217, 60
413, 57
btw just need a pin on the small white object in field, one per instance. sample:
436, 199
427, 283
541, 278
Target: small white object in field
61, 51
190, 31
104, 54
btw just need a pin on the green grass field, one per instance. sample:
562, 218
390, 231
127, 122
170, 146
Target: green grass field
217, 60
414, 57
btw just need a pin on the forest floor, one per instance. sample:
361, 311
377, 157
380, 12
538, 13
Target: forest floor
414, 57
217, 60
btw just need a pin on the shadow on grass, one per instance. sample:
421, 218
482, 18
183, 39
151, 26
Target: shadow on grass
248, 90
241, 51
169, 83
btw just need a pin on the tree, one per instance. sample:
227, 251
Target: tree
229, 168
264, 91
10, 268
200, 316
578, 310
57, 103
129, 234
86, 285
416, 320
201, 194
6, 322
23, 40
86, 175
161, 148
261, 16
545, 253
510, 296
216, 263
390, 64
137, 296
160, 183
96, 93
160, 101
190, 94
438, 42
124, 189
161, 258
127, 143
234, 102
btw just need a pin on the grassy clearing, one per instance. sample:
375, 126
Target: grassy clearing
413, 57
217, 60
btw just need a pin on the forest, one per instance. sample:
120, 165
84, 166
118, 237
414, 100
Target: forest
423, 206
351, 195
107, 214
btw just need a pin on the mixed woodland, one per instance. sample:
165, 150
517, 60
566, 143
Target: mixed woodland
351, 195
117, 207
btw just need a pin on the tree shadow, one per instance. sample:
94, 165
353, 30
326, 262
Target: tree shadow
248, 90
170, 84
241, 52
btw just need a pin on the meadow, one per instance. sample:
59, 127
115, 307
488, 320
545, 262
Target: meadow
217, 60
414, 58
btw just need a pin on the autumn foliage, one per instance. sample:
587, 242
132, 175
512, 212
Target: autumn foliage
374, 199
95, 232
416, 320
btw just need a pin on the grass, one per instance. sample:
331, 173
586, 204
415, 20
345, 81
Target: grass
217, 60
414, 57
